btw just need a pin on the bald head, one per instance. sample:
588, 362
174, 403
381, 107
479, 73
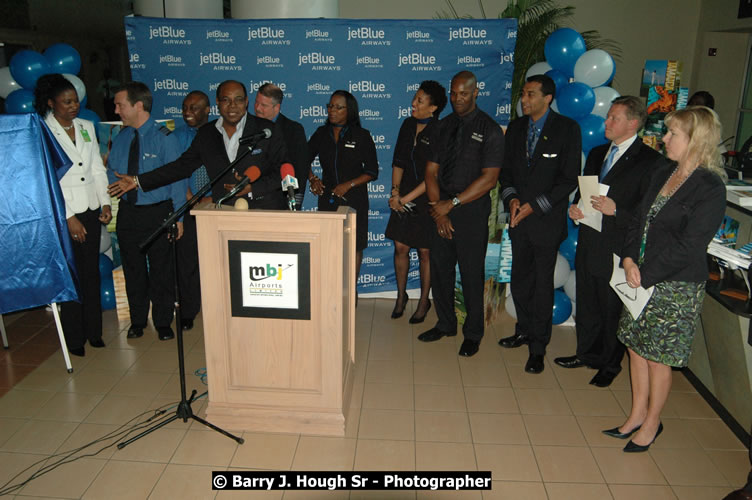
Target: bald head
463, 92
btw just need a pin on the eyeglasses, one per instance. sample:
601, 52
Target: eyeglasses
226, 101
335, 107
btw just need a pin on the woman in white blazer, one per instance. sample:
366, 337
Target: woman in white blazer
87, 205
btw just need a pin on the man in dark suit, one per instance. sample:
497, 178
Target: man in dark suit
541, 163
625, 164
268, 105
216, 145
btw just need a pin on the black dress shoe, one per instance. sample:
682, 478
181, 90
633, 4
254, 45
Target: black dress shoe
97, 342
569, 362
603, 378
469, 348
515, 340
638, 448
399, 306
78, 351
165, 333
434, 334
415, 319
738, 495
534, 363
614, 433
135, 332
187, 324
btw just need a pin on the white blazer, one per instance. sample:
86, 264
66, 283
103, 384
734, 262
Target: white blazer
84, 186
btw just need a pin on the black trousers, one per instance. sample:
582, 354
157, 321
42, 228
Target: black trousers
149, 274
468, 249
188, 275
533, 288
598, 311
82, 320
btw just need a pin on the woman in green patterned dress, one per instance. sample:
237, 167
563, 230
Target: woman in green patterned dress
665, 247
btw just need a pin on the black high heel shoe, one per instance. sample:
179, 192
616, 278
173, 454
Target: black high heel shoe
614, 433
637, 448
415, 319
399, 308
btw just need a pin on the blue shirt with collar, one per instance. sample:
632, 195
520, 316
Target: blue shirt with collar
157, 149
538, 124
185, 135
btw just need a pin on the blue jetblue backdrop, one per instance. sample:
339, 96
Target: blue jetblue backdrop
381, 62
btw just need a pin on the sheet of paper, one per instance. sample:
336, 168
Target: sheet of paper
634, 299
593, 217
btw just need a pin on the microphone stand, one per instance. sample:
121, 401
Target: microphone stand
184, 410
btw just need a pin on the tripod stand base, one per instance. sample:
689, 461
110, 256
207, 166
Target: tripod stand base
184, 412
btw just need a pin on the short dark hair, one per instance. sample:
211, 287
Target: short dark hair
437, 93
49, 87
200, 94
219, 89
137, 92
705, 98
548, 87
636, 109
353, 115
272, 91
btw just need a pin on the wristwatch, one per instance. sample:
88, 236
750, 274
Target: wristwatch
455, 202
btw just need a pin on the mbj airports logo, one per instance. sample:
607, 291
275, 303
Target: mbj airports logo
169, 35
269, 279
369, 89
368, 36
220, 61
419, 36
469, 36
418, 62
218, 36
268, 35
318, 61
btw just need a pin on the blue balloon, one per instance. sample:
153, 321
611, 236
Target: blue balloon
593, 130
20, 101
562, 307
568, 247
105, 267
575, 100
90, 115
84, 101
559, 78
26, 66
63, 58
563, 47
107, 294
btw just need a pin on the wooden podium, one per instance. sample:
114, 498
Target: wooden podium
287, 369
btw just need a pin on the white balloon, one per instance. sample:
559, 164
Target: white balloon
561, 271
7, 83
554, 106
519, 108
570, 287
77, 84
603, 98
105, 240
583, 159
594, 68
538, 69
509, 306
574, 308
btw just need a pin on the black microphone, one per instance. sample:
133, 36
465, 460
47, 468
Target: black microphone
264, 134
289, 183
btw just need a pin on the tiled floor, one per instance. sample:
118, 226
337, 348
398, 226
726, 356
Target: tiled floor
415, 406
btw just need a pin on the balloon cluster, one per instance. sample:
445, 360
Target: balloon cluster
582, 93
106, 283
581, 77
17, 81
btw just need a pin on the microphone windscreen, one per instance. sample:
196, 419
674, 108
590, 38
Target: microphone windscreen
286, 169
253, 173
267, 133
241, 204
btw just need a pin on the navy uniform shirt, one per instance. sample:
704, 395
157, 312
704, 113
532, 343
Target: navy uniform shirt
481, 146
156, 148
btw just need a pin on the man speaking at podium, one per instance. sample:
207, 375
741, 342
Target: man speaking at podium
216, 145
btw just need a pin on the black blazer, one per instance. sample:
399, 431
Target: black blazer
296, 144
628, 179
679, 234
548, 181
208, 149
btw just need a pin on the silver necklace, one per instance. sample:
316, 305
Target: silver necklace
680, 184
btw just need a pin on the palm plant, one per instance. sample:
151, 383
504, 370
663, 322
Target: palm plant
537, 19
